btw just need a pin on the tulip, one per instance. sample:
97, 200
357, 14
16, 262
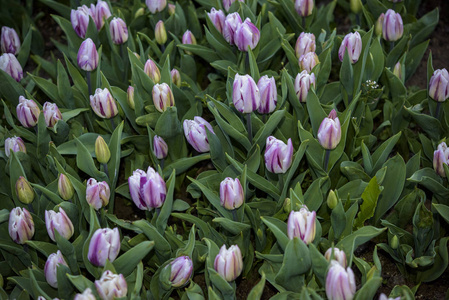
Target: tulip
394, 243
86, 295
398, 71
171, 9
340, 282
80, 19
27, 112
14, 144
384, 297
229, 263
379, 24
353, 43
231, 193
246, 35
162, 97
87, 56
24, 191
227, 3
160, 148
268, 94
245, 94
51, 114
188, 39
440, 157
102, 12
103, 104
152, 71
130, 97
10, 42
308, 61
303, 82
104, 245
111, 286
160, 33
356, 6
102, 150
304, 7
21, 225
97, 193
180, 271
195, 133
217, 17
338, 255
51, 267
329, 132
10, 64
332, 200
58, 221
156, 5
119, 31
176, 77
148, 190
439, 85
392, 27
278, 156
302, 224
305, 44
232, 22
65, 187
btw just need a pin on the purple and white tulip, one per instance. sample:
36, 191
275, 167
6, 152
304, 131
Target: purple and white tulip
51, 267
14, 144
218, 19
246, 35
51, 114
60, 222
181, 271
103, 104
232, 22
100, 13
80, 19
304, 7
340, 282
302, 224
440, 157
162, 97
329, 132
245, 94
439, 85
148, 190
156, 5
27, 112
308, 61
152, 70
305, 44
111, 286
278, 156
303, 82
10, 42
229, 262
21, 225
87, 56
104, 245
353, 43
231, 193
196, 135
119, 31
339, 256
97, 193
10, 64
268, 94
86, 295
160, 148
227, 3
392, 27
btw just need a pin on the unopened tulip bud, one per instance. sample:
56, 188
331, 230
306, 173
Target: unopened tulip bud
21, 225
246, 35
86, 295
229, 263
130, 97
440, 157
14, 144
10, 64
340, 282
278, 156
27, 112
231, 193
304, 7
103, 104
156, 6
160, 148
139, 12
136, 55
147, 189
163, 97
60, 222
217, 17
394, 242
398, 71
152, 71
308, 61
102, 150
51, 114
287, 205
305, 44
379, 24
232, 22
171, 9
302, 224
104, 245
439, 85
181, 269
97, 193
102, 12
227, 3
329, 133
111, 286
196, 135
65, 187
338, 255
160, 33
188, 39
176, 77
268, 94
87, 56
24, 191
355, 6
332, 200
392, 27
51, 268
10, 42
245, 94
352, 43
80, 19
119, 31
303, 82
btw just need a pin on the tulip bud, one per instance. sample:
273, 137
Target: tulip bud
175, 77
110, 285
139, 12
302, 224
232, 22
188, 39
136, 55
305, 44
245, 94
24, 191
152, 71
227, 3
398, 71
303, 82
308, 61
51, 267
102, 150
104, 245
160, 148
229, 263
231, 193
338, 256
102, 12
287, 206
160, 33
379, 24
278, 156
130, 98
51, 114
97, 193
103, 104
65, 187
148, 190
21, 225
180, 271
195, 133
268, 94
80, 20
87, 56
394, 242
27, 112
304, 7
10, 42
355, 6
156, 5
329, 133
86, 295
439, 85
353, 43
340, 283
60, 222
246, 35
440, 157
392, 27
171, 9
332, 200
10, 64
14, 144
217, 17
119, 31
162, 97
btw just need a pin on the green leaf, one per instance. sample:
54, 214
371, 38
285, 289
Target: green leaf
161, 222
278, 228
443, 210
369, 196
85, 162
231, 226
127, 262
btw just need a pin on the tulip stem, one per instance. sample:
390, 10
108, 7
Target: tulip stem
105, 167
437, 111
391, 46
163, 48
234, 215
304, 23
112, 124
158, 212
357, 19
326, 159
30, 208
281, 181
162, 164
89, 87
249, 127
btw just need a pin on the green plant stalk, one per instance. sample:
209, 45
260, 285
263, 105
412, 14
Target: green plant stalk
437, 111
249, 127
391, 46
234, 215
105, 167
326, 159
89, 86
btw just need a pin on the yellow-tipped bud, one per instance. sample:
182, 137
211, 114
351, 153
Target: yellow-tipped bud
65, 187
355, 6
24, 191
139, 12
332, 200
287, 205
130, 97
102, 150
160, 33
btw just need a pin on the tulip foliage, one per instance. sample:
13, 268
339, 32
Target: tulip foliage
255, 144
